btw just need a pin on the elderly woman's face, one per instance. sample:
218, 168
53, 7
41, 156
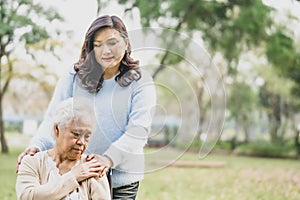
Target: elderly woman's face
73, 139
109, 47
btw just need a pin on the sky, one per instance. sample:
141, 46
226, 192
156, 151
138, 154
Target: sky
287, 6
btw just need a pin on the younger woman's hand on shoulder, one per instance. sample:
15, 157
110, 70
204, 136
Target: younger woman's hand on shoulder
29, 151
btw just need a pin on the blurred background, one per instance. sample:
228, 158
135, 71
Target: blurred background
227, 75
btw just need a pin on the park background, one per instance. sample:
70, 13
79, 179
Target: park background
227, 75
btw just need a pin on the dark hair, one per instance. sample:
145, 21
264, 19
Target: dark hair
88, 69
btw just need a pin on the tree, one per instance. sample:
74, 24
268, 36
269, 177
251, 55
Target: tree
226, 26
241, 104
285, 57
23, 25
283, 53
229, 27
279, 103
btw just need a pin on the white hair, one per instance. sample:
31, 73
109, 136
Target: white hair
74, 110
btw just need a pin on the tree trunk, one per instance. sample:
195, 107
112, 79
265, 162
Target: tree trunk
246, 132
273, 130
4, 146
297, 143
162, 62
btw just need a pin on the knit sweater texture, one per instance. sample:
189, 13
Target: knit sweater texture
123, 122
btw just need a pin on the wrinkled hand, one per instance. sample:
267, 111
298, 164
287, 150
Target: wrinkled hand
86, 170
29, 151
105, 162
129, 76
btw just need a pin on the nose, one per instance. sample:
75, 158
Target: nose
106, 48
81, 140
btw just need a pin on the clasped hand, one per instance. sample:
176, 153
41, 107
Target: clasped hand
104, 161
88, 169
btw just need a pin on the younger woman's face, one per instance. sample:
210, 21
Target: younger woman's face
109, 47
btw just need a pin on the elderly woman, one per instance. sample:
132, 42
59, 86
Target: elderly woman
64, 172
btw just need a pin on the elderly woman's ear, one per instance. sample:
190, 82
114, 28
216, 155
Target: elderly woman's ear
56, 130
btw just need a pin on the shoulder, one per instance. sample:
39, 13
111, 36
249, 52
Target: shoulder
34, 161
66, 79
146, 79
38, 156
146, 76
69, 72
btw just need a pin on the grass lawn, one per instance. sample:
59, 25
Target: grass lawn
241, 178
8, 174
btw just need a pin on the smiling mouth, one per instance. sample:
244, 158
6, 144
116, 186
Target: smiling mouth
107, 59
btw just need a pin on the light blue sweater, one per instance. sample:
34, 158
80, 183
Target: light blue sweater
123, 115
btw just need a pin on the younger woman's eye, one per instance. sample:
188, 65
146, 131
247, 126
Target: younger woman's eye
97, 45
112, 43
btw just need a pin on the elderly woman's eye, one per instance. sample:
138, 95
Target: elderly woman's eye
87, 137
76, 134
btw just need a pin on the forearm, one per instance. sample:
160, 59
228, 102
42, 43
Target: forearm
132, 142
127, 145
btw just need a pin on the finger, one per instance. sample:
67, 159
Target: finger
90, 157
32, 152
104, 172
17, 167
20, 157
93, 174
94, 162
96, 169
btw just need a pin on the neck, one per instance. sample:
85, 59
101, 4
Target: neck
110, 72
62, 162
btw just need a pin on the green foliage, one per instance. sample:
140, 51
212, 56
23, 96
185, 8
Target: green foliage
225, 25
280, 49
23, 24
266, 149
21, 20
223, 145
242, 100
232, 28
